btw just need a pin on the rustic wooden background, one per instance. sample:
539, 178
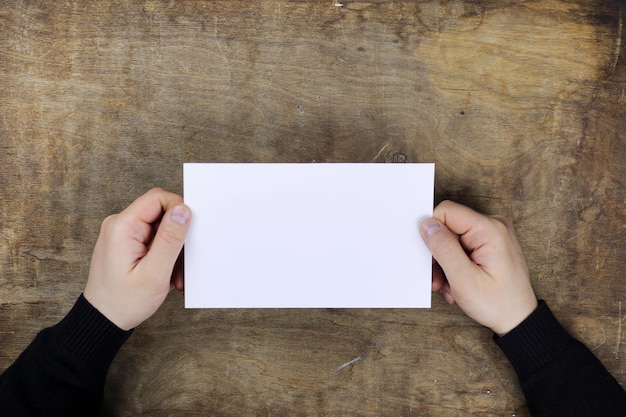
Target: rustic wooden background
520, 103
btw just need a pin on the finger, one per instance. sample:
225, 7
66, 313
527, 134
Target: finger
473, 227
440, 284
439, 277
446, 293
149, 207
168, 242
178, 279
447, 250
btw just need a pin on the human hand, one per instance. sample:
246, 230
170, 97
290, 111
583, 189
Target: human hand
134, 264
480, 266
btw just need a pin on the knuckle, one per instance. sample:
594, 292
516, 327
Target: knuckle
155, 191
171, 237
108, 224
443, 206
442, 245
503, 225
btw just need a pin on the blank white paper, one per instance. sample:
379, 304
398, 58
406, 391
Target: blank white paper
327, 235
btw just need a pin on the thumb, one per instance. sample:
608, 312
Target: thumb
447, 251
169, 240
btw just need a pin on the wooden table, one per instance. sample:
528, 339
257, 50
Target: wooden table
520, 104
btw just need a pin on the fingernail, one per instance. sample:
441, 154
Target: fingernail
430, 227
180, 215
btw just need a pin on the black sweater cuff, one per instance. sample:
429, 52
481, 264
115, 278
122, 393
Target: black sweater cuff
89, 335
535, 342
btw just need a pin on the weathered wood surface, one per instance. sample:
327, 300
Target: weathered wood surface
520, 104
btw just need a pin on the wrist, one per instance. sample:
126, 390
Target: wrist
98, 300
536, 341
518, 317
88, 334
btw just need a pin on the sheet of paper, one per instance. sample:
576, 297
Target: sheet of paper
328, 235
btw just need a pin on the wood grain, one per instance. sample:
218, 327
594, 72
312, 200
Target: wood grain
520, 104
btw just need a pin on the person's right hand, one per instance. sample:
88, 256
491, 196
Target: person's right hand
480, 266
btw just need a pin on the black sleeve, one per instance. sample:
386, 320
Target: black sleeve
558, 374
62, 372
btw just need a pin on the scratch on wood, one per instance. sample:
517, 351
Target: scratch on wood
345, 365
379, 152
602, 342
618, 43
217, 42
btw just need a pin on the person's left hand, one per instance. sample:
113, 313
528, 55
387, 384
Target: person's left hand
135, 261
